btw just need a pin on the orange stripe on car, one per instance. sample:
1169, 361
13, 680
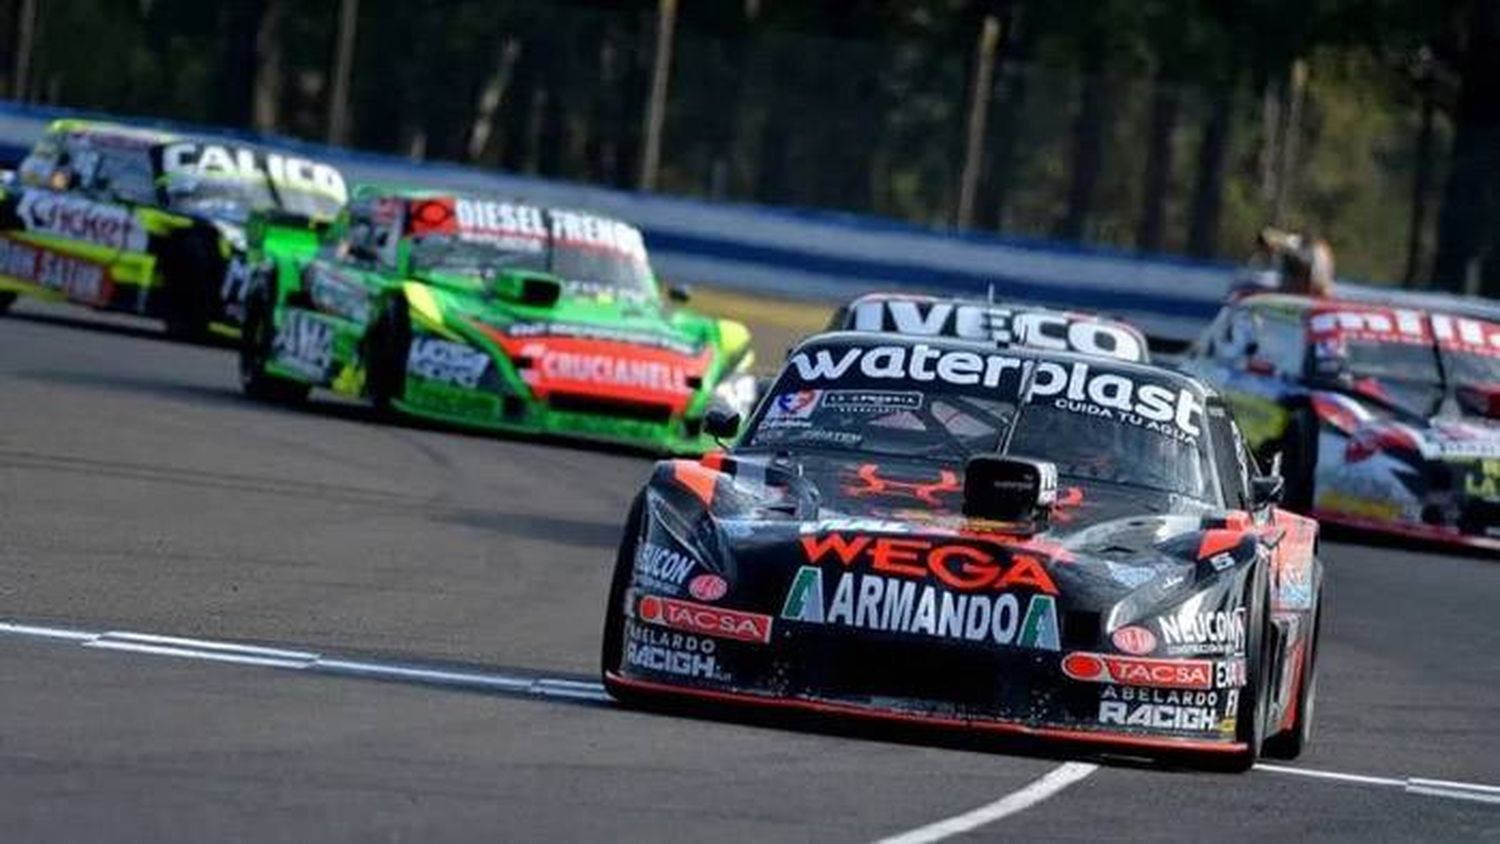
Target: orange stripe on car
697, 478
1219, 540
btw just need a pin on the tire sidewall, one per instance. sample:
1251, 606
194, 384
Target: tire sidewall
1254, 704
612, 642
191, 266
386, 349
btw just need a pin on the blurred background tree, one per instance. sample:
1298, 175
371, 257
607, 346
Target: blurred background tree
1177, 126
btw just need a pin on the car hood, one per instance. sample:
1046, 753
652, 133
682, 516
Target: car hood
762, 523
621, 320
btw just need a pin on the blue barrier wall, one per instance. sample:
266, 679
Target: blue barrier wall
806, 254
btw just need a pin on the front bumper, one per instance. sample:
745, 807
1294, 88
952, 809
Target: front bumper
618, 424
617, 683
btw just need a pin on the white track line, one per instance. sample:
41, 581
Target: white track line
211, 650
1474, 791
1054, 781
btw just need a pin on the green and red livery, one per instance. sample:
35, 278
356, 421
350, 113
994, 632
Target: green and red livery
489, 313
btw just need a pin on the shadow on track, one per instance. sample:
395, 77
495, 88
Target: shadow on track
119, 325
584, 690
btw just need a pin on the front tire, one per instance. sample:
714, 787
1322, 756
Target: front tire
387, 347
7, 298
257, 342
1291, 743
1254, 702
612, 644
191, 269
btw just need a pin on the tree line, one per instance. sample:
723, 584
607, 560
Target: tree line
1178, 126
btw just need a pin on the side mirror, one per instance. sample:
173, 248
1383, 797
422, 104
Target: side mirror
1266, 490
1010, 489
679, 293
721, 423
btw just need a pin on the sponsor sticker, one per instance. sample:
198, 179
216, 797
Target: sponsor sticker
1134, 640
708, 587
1154, 673
451, 363
75, 218
963, 568
671, 652
705, 620
286, 172
1074, 386
894, 605
1004, 326
1160, 709
795, 405
1158, 716
872, 401
602, 332
305, 343
1218, 632
78, 279
647, 372
662, 568
1129, 576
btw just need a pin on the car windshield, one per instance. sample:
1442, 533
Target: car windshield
593, 256
1404, 374
437, 253
1092, 448
1134, 429
593, 271
232, 200
1470, 349
1471, 369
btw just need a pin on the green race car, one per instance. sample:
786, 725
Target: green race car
488, 313
155, 223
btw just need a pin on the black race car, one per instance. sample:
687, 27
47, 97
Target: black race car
1023, 542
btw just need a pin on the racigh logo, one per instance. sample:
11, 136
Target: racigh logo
1004, 326
1073, 385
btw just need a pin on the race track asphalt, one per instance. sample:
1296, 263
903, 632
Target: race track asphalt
139, 492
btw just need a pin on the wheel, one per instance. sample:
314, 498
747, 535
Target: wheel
1291, 743
7, 298
387, 346
613, 641
191, 270
1254, 703
1299, 460
256, 342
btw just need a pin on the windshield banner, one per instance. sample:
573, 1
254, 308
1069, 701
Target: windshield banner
1040, 329
522, 228
288, 174
1073, 386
